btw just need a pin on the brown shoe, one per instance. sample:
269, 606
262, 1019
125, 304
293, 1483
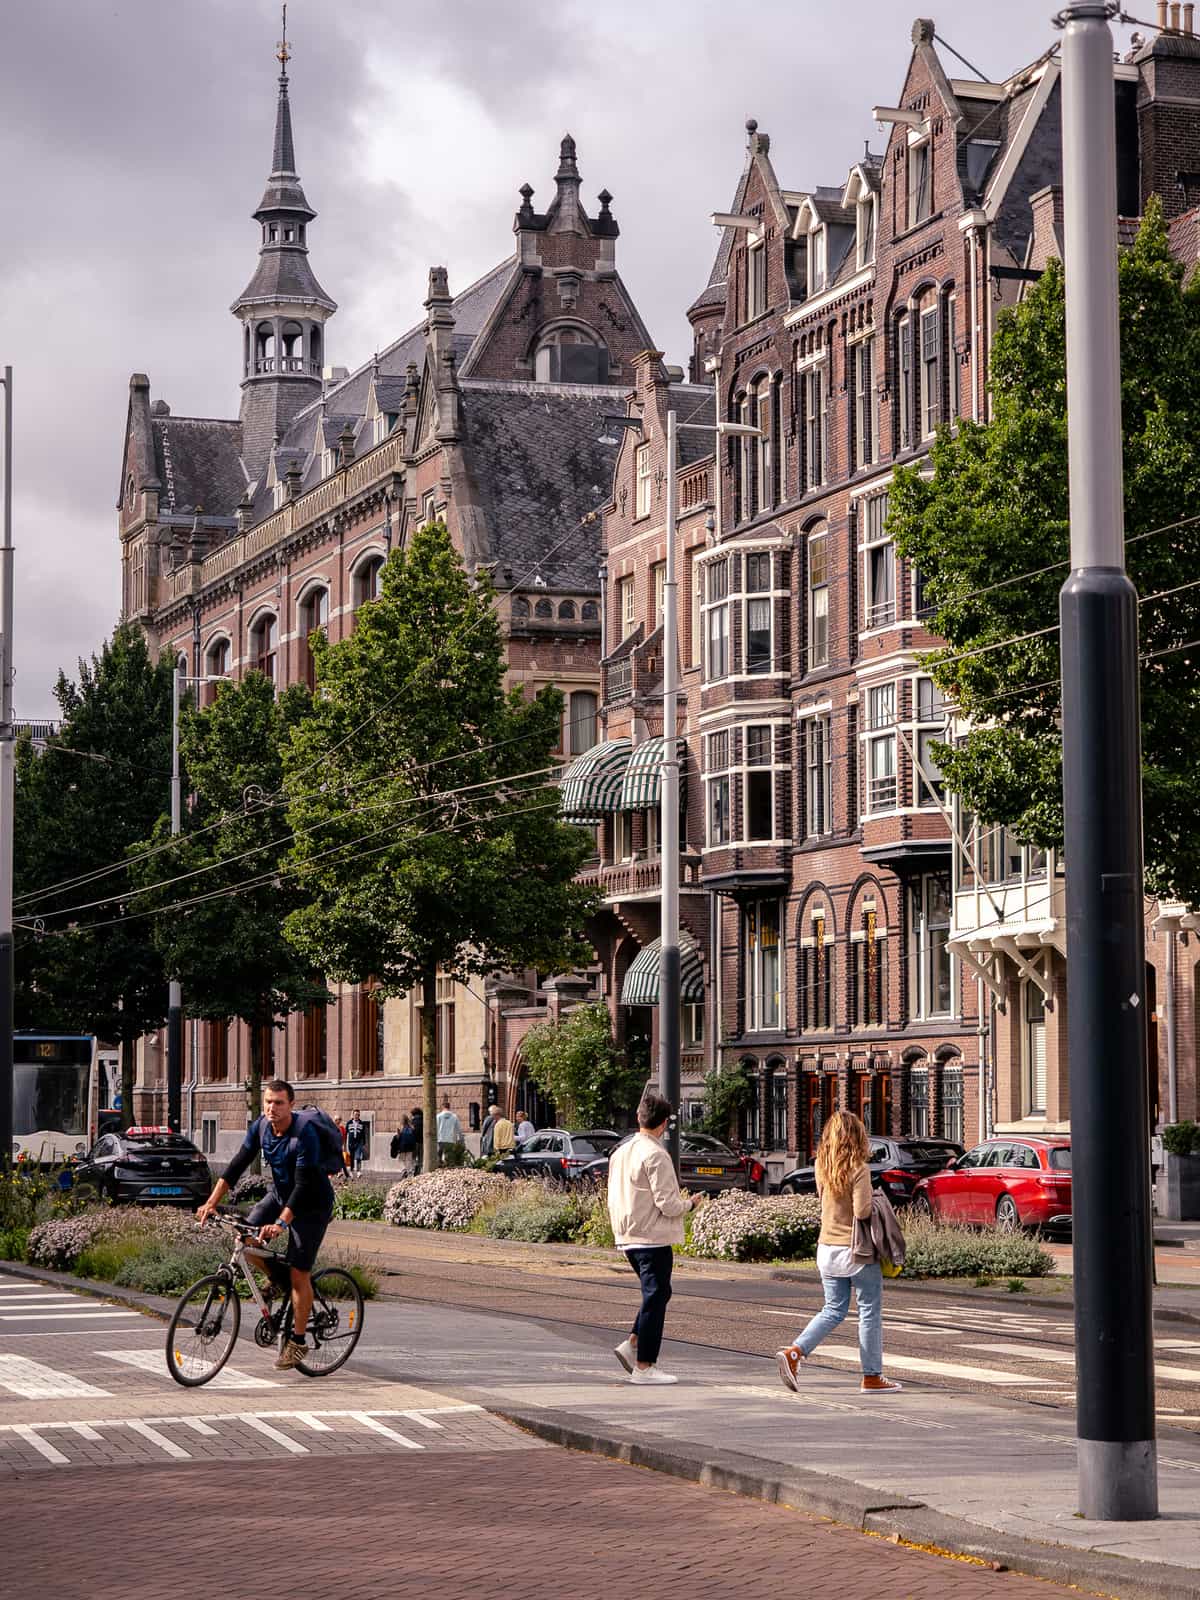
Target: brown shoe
291, 1355
789, 1360
876, 1383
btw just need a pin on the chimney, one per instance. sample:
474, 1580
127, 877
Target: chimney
1174, 16
1162, 15
346, 446
1188, 12
293, 478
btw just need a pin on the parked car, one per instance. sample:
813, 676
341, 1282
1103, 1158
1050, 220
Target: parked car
1014, 1183
147, 1165
897, 1166
559, 1156
706, 1165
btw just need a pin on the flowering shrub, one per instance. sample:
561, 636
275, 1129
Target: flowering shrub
251, 1186
61, 1241
446, 1199
739, 1226
536, 1213
941, 1250
358, 1199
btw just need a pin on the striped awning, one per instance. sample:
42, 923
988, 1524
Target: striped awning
641, 981
643, 775
591, 785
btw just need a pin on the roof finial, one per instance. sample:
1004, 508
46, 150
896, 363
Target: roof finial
282, 54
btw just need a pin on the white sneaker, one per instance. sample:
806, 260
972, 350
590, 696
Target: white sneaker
626, 1354
651, 1375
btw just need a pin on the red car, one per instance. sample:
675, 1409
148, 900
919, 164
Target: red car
1010, 1182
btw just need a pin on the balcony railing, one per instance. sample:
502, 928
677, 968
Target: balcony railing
621, 880
618, 681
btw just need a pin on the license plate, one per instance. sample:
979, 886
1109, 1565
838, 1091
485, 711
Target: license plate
164, 1188
708, 1172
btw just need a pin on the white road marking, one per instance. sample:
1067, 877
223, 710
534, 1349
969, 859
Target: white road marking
32, 1381
155, 1362
63, 1316
26, 1431
266, 1429
77, 1333
1067, 1358
195, 1424
85, 1431
944, 1369
1192, 1346
376, 1426
310, 1420
424, 1421
167, 1446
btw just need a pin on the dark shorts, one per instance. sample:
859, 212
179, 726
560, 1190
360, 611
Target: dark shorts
304, 1235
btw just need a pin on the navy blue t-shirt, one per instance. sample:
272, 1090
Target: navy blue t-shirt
293, 1159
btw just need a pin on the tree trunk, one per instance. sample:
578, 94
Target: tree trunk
128, 1070
429, 1065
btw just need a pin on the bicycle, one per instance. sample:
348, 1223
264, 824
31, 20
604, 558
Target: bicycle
205, 1324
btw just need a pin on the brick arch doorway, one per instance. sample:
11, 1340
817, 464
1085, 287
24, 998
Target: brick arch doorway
524, 1094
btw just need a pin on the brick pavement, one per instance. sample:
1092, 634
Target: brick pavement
551, 1522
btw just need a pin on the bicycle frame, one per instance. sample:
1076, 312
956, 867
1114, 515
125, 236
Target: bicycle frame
239, 1264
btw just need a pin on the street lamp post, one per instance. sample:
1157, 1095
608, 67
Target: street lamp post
669, 997
1106, 982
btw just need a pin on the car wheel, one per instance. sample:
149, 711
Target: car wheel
1008, 1218
922, 1207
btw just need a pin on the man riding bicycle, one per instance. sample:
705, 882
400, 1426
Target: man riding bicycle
301, 1202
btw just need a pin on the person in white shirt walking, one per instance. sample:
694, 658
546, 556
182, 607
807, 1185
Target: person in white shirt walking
525, 1128
647, 1208
449, 1132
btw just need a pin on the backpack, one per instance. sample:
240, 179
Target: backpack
328, 1137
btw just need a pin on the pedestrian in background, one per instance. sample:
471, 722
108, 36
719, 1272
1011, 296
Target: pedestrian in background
404, 1143
504, 1135
356, 1140
844, 1184
449, 1135
485, 1133
647, 1208
525, 1128
418, 1127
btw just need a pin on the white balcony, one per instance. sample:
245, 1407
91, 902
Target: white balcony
1009, 904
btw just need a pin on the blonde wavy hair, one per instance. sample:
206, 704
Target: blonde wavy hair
843, 1149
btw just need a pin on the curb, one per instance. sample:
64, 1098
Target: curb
865, 1510
155, 1305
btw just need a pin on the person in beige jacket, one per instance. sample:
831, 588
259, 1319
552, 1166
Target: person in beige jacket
647, 1208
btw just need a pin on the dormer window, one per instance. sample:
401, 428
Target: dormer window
327, 463
756, 281
865, 220
817, 259
571, 355
380, 431
920, 184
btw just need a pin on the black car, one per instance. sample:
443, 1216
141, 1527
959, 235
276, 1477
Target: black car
706, 1165
148, 1166
559, 1156
897, 1166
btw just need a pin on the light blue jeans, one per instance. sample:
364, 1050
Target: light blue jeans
867, 1284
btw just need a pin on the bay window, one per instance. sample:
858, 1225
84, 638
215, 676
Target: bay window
717, 780
761, 922
930, 964
881, 747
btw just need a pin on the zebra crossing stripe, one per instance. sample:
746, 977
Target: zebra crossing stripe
167, 1446
32, 1381
26, 1431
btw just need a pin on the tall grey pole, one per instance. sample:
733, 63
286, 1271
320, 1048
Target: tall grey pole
668, 981
1110, 1135
7, 791
175, 993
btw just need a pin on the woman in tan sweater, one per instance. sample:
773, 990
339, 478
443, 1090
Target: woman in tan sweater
844, 1184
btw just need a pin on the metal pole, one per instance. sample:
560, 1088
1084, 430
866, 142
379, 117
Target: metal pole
7, 793
668, 982
175, 993
1114, 1362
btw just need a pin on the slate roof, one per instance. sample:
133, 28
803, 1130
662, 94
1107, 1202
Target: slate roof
538, 467
693, 402
283, 273
198, 461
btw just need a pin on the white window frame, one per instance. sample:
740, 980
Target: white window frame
622, 836
880, 739
209, 1126
641, 481
764, 1005
817, 776
878, 556
950, 355
952, 1123
716, 620
929, 369
817, 578
918, 1074
1034, 1077
866, 421
918, 181
756, 280
718, 781
904, 379
576, 740
776, 764
866, 230
626, 605
818, 258
816, 392
928, 727
922, 925
659, 573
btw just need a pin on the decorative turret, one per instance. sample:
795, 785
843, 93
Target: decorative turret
283, 309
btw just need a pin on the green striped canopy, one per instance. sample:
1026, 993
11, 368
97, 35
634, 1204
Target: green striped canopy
643, 775
641, 981
591, 785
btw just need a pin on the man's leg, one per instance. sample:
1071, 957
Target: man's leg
654, 1269
302, 1299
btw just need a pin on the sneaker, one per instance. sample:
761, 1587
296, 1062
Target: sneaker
626, 1354
292, 1354
876, 1383
651, 1375
789, 1361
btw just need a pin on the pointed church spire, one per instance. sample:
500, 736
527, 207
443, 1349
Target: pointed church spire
283, 308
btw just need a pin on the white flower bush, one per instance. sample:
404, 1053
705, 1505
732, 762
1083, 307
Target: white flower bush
449, 1199
739, 1226
60, 1242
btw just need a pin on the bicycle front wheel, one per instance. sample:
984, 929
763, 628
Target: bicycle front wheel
203, 1330
335, 1324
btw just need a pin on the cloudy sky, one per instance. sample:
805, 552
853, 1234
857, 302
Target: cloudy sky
138, 136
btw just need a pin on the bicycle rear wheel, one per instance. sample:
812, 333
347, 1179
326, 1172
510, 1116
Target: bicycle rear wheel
335, 1323
203, 1330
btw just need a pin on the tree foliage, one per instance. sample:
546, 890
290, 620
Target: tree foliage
81, 806
428, 782
227, 948
989, 533
577, 1063
728, 1090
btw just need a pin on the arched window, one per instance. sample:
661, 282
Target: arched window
571, 355
292, 335
264, 645
216, 665
520, 606
543, 609
918, 1098
748, 1124
368, 580
776, 1084
581, 721
566, 611
314, 344
590, 612
314, 615
264, 348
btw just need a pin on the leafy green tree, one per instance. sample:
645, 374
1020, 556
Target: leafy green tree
727, 1091
227, 948
81, 806
577, 1063
994, 513
431, 781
